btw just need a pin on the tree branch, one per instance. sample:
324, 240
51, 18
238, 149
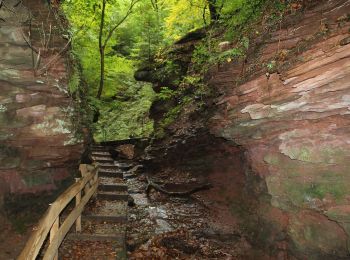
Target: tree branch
53, 60
110, 33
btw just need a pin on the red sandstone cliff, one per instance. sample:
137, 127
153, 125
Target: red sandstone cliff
38, 145
288, 124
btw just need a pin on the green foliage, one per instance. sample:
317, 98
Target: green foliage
125, 103
170, 116
207, 53
169, 70
123, 119
192, 80
74, 81
201, 54
144, 37
185, 16
237, 15
165, 94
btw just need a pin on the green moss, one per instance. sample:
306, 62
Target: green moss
9, 157
300, 193
299, 153
171, 116
271, 159
37, 179
337, 190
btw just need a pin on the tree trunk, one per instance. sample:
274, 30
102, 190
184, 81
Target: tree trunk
213, 9
102, 72
102, 50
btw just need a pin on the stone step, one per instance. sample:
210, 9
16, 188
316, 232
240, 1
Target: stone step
110, 174
112, 196
115, 187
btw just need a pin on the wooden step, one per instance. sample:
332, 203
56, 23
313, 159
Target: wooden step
102, 158
111, 180
102, 225
110, 174
91, 249
108, 166
102, 161
106, 208
93, 237
109, 219
129, 176
116, 187
99, 149
112, 196
100, 153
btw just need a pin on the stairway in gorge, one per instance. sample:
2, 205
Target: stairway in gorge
104, 219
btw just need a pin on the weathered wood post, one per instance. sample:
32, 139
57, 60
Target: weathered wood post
77, 202
53, 232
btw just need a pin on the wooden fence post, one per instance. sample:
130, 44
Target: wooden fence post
53, 233
95, 180
49, 224
77, 201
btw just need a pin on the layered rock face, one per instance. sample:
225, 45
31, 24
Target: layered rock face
38, 147
294, 125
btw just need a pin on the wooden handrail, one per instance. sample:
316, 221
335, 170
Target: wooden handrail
49, 223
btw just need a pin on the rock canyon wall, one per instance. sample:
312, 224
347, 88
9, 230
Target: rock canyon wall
280, 164
38, 143
293, 123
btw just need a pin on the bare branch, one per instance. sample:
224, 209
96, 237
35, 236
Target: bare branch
53, 60
28, 42
36, 65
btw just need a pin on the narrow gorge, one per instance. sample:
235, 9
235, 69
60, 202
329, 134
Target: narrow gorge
231, 141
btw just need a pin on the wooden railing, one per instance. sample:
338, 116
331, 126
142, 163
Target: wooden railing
49, 225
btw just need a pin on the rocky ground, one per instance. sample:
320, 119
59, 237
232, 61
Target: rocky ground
170, 227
